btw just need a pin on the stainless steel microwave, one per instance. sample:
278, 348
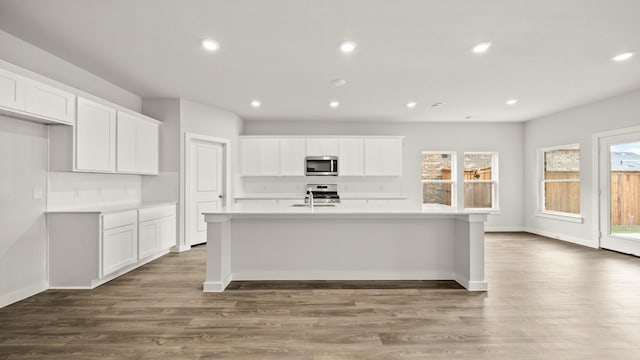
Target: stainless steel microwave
321, 166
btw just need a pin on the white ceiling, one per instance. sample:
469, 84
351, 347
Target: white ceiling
550, 54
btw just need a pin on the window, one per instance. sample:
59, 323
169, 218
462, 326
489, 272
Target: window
560, 183
480, 180
439, 179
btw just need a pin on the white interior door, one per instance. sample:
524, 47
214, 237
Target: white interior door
204, 186
620, 193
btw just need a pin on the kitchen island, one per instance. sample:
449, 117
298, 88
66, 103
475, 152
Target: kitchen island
300, 243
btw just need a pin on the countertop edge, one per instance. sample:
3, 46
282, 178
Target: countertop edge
108, 209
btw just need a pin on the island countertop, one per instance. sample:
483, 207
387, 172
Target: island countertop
340, 211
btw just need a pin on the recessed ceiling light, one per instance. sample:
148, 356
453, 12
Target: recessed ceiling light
512, 101
210, 45
411, 104
481, 47
334, 104
339, 82
347, 46
256, 103
622, 57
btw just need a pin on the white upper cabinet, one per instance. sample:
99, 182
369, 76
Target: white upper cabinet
49, 102
126, 142
137, 145
322, 147
351, 156
29, 99
147, 147
357, 155
260, 156
11, 94
383, 156
292, 154
95, 137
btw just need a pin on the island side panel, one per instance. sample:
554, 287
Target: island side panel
469, 252
342, 248
218, 274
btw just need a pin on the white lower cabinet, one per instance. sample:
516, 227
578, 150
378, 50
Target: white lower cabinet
87, 249
119, 248
157, 230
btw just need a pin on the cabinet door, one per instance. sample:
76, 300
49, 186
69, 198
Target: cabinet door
167, 233
95, 137
147, 147
322, 147
383, 156
351, 157
11, 95
49, 102
126, 143
119, 248
260, 156
148, 237
292, 153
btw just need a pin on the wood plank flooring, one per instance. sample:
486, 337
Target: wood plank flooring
546, 300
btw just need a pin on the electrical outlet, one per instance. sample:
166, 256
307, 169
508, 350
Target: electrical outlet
37, 193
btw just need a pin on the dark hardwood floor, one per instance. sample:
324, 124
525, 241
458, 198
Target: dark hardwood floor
546, 300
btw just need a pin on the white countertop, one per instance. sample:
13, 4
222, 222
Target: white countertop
341, 211
354, 196
111, 208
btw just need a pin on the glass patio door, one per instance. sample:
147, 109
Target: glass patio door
620, 193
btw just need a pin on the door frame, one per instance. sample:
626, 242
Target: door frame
185, 177
597, 139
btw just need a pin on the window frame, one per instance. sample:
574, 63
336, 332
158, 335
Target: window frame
542, 210
453, 181
495, 198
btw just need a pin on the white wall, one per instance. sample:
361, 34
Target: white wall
68, 190
23, 165
19, 52
568, 127
505, 138
201, 119
180, 117
164, 186
23, 241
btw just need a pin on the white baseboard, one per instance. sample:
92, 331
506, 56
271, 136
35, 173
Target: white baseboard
23, 293
471, 285
180, 248
504, 229
211, 286
571, 239
342, 275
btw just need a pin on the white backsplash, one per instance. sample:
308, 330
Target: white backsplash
297, 185
67, 190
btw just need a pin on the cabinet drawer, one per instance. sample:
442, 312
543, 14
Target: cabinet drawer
110, 221
156, 212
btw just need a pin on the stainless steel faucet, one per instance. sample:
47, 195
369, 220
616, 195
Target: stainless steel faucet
310, 192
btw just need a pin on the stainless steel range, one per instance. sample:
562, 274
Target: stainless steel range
322, 194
